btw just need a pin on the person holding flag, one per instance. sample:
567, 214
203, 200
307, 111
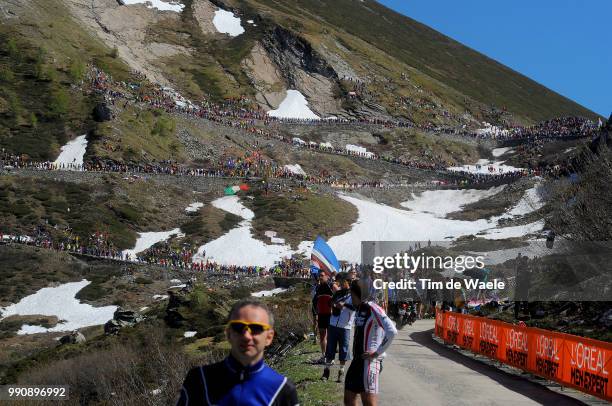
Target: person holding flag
324, 262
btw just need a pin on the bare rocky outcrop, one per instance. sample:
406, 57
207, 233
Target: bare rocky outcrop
303, 69
76, 337
266, 77
204, 12
122, 318
125, 28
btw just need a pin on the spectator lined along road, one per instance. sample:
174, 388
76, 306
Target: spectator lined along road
254, 165
249, 113
162, 254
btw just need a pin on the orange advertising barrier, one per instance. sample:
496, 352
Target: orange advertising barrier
570, 360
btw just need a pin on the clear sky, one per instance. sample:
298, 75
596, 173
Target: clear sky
563, 44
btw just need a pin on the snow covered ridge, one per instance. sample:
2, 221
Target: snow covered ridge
157, 4
72, 153
295, 106
61, 303
227, 23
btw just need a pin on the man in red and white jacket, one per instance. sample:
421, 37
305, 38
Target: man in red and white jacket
374, 332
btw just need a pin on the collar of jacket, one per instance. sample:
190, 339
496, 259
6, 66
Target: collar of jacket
243, 371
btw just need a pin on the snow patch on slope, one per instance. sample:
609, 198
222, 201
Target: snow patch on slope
295, 106
59, 301
158, 4
442, 202
147, 240
73, 152
227, 23
238, 246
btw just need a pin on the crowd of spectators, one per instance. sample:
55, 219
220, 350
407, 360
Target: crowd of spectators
162, 254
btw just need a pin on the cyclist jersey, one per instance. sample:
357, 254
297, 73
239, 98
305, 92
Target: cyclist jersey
374, 331
229, 383
322, 300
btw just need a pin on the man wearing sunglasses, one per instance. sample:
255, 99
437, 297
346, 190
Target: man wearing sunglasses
242, 378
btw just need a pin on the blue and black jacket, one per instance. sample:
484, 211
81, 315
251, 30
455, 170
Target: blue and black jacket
229, 383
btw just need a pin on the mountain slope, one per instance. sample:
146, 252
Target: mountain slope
349, 58
433, 54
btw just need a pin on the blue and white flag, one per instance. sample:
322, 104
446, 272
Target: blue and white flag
323, 257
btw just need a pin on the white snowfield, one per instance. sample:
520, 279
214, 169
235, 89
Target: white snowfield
232, 204
425, 220
513, 232
530, 202
442, 202
147, 240
378, 222
193, 207
73, 152
60, 302
158, 4
267, 293
189, 334
227, 23
295, 169
295, 106
238, 246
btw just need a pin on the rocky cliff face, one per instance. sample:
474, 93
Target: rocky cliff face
293, 53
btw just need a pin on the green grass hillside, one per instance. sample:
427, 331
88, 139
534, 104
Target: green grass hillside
43, 58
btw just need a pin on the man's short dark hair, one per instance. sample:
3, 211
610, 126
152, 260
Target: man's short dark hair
250, 302
361, 288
